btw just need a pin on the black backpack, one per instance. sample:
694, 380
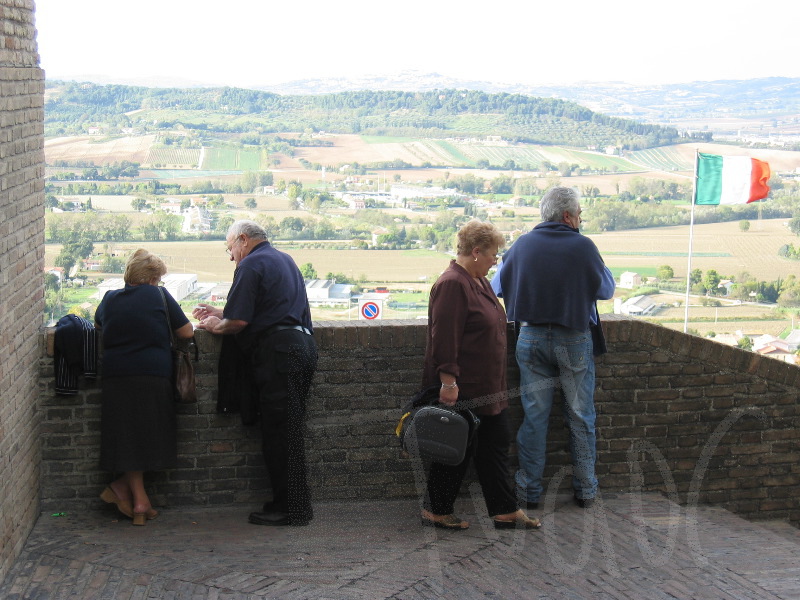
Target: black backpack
436, 432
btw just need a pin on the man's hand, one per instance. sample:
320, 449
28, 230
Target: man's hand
203, 311
208, 323
213, 324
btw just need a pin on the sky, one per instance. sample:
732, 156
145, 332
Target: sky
263, 42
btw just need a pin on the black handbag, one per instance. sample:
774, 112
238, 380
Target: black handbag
436, 432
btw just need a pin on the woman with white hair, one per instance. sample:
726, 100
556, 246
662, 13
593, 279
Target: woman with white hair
138, 408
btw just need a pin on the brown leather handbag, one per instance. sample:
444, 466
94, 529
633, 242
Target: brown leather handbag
184, 388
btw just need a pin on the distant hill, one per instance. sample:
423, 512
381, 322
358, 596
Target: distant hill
71, 108
654, 103
666, 104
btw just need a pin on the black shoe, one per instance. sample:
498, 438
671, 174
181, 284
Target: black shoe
584, 502
532, 505
274, 518
278, 518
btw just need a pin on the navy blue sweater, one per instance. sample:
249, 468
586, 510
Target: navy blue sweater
553, 274
135, 333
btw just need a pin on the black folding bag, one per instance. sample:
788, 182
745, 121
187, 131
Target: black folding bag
434, 431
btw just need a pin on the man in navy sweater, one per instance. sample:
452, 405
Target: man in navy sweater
267, 311
550, 280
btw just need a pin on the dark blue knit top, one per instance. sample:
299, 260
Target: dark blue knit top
553, 274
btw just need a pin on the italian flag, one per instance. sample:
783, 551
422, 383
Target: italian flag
730, 179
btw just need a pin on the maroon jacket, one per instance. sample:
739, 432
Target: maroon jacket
467, 338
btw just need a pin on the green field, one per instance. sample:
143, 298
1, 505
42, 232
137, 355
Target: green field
534, 156
232, 159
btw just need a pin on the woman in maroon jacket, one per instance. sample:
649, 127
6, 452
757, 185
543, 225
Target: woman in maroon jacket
466, 355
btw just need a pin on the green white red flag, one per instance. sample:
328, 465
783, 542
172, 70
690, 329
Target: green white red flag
730, 179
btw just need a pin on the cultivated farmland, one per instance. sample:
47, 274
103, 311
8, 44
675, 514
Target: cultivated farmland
211, 264
175, 158
662, 159
99, 151
656, 162
719, 246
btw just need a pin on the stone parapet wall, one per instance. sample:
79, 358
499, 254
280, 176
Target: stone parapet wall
699, 420
21, 276
677, 413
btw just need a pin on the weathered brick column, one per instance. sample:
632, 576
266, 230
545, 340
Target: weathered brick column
21, 273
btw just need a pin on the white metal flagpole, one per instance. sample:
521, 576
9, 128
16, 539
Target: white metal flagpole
691, 242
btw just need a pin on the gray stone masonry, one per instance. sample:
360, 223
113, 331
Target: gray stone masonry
679, 414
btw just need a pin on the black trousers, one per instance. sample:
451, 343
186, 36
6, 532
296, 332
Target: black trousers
490, 456
284, 367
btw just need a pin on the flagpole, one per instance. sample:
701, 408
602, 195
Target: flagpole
691, 242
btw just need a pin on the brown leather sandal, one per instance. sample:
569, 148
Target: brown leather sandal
445, 522
523, 522
124, 506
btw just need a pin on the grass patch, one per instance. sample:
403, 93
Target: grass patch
408, 297
456, 153
643, 271
80, 295
232, 159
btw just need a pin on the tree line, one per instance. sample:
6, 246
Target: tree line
671, 207
785, 292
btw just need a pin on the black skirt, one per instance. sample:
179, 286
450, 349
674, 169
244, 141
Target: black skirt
138, 425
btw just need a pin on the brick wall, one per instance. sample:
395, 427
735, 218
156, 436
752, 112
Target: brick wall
21, 280
677, 413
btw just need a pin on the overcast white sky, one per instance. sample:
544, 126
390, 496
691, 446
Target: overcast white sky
261, 42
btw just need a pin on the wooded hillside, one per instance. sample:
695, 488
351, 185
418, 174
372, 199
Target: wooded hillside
71, 108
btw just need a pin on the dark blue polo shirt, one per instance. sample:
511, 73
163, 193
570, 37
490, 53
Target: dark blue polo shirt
268, 290
136, 340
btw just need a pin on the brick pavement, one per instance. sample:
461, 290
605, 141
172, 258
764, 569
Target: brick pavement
627, 546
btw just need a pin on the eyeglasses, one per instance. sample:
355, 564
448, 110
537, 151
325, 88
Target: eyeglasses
229, 249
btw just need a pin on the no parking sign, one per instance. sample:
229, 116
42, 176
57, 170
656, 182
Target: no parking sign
370, 309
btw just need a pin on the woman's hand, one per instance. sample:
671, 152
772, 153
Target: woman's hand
203, 311
448, 396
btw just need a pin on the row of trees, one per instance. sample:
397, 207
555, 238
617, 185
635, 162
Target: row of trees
744, 286
603, 214
309, 272
92, 173
248, 182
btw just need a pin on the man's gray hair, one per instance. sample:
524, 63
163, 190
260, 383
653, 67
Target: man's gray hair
249, 228
557, 200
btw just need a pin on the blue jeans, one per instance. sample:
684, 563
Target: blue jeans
552, 357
